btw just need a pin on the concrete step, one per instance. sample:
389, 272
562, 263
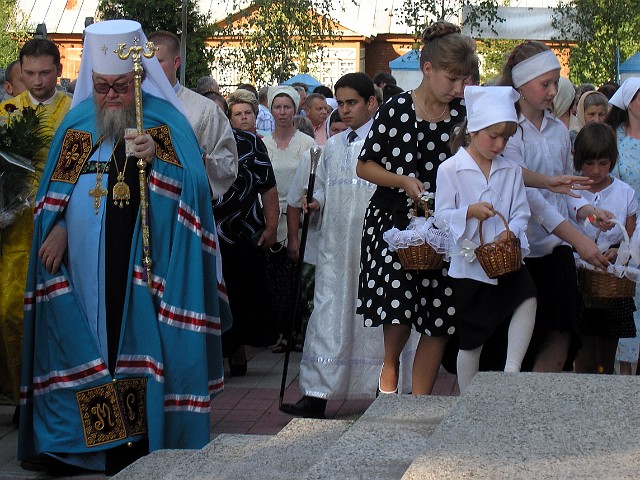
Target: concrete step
537, 425
169, 464
384, 441
284, 456
246, 457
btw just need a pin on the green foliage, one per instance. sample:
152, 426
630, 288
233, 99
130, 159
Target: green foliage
601, 28
492, 54
22, 134
167, 15
418, 15
273, 38
14, 31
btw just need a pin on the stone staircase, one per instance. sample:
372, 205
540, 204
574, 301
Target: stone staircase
505, 426
382, 443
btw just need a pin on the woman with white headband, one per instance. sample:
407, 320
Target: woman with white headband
543, 149
624, 117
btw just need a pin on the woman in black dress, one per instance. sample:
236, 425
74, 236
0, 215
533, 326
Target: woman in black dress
408, 140
246, 218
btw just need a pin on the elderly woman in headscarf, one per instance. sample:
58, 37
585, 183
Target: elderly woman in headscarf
247, 218
286, 145
593, 107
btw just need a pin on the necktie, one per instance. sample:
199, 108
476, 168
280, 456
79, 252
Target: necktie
352, 136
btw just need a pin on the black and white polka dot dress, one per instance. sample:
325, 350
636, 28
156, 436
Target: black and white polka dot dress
388, 294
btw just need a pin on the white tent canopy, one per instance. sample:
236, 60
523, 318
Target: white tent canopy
519, 24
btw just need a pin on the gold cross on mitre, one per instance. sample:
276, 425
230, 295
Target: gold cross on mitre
104, 49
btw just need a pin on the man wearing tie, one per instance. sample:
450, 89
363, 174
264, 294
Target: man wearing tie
340, 358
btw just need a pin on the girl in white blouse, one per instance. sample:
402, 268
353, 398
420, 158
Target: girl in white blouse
472, 186
543, 149
596, 156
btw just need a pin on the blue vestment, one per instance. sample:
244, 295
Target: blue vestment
169, 346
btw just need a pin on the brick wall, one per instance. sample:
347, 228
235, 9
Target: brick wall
382, 50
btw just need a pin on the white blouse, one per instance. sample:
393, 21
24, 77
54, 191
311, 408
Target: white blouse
461, 183
546, 151
285, 163
620, 199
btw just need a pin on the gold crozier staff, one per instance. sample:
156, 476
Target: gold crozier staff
135, 52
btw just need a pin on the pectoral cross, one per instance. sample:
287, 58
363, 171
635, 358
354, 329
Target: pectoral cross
96, 193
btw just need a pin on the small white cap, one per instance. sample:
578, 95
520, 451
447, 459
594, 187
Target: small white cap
101, 42
488, 106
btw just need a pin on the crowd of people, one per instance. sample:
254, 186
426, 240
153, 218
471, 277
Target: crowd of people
140, 266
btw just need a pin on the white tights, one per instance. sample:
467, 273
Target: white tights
520, 330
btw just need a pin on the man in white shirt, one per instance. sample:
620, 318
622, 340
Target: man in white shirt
315, 106
341, 359
209, 123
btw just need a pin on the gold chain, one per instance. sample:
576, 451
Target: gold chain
98, 192
121, 191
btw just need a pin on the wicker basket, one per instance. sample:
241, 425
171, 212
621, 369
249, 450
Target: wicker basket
600, 289
502, 257
420, 257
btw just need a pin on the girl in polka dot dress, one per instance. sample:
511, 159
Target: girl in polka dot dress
407, 142
543, 149
472, 185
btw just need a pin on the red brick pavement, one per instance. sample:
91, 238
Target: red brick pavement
254, 410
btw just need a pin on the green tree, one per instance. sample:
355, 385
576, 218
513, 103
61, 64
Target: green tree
167, 15
418, 15
604, 30
13, 33
271, 39
492, 53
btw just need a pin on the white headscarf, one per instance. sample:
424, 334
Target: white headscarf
287, 90
98, 55
488, 106
564, 98
624, 95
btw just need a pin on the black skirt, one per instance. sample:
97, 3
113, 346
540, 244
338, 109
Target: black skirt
559, 301
614, 322
244, 270
482, 308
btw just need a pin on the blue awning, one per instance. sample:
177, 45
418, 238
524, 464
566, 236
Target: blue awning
408, 61
631, 64
305, 78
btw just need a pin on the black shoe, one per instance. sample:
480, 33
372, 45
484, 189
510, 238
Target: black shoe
306, 407
238, 362
52, 466
237, 370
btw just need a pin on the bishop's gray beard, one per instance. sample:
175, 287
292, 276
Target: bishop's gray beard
111, 123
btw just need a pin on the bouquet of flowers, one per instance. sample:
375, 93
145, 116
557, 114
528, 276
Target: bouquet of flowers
22, 135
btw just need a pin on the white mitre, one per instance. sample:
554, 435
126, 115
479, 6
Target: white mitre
101, 41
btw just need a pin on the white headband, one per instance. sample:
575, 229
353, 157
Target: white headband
533, 67
624, 95
488, 106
